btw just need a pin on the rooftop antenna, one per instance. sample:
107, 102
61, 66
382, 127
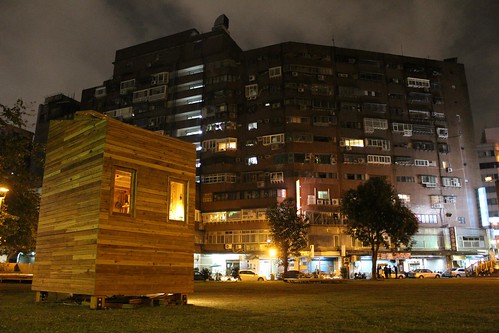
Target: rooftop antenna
333, 40
401, 49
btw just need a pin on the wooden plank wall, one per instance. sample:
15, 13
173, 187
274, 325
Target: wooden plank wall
84, 248
69, 207
146, 253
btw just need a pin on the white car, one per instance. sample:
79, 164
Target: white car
249, 275
423, 273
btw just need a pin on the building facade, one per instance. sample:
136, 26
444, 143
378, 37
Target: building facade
488, 157
308, 122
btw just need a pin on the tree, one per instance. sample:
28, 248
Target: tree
377, 217
19, 213
288, 229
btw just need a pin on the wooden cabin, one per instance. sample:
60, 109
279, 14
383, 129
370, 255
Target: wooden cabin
117, 210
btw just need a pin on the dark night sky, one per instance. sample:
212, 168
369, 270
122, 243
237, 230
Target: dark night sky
64, 46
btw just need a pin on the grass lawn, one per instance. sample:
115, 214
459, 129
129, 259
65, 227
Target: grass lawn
441, 305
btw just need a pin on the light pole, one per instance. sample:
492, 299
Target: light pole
3, 194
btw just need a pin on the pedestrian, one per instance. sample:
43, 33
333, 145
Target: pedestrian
386, 272
396, 271
389, 271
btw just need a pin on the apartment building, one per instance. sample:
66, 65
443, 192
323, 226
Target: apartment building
488, 157
309, 122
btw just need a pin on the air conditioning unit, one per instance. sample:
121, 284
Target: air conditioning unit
335, 202
437, 205
153, 82
260, 184
238, 247
407, 132
294, 73
348, 147
228, 246
449, 170
320, 77
342, 143
252, 78
301, 90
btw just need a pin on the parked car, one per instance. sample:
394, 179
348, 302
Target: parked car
422, 273
455, 272
293, 275
249, 275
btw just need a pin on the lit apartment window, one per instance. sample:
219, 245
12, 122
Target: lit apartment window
252, 160
123, 191
405, 199
413, 82
271, 139
252, 126
178, 201
347, 142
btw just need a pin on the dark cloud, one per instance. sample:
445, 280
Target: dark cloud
51, 46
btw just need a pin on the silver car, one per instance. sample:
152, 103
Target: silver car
422, 273
455, 272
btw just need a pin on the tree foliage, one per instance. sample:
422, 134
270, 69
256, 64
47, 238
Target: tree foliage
288, 229
377, 217
19, 213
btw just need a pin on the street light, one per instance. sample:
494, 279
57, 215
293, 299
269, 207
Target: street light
3, 194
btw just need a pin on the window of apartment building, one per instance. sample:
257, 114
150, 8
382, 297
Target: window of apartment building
427, 218
371, 76
471, 242
489, 165
276, 177
423, 145
271, 139
443, 148
190, 70
396, 96
100, 92
300, 137
379, 159
451, 182
219, 178
429, 180
461, 220
436, 201
324, 120
349, 142
127, 86
275, 72
413, 82
354, 176
123, 191
377, 143
450, 199
405, 129
178, 201
350, 107
419, 114
252, 126
405, 179
416, 97
140, 95
405, 199
371, 93
351, 124
219, 145
251, 91
297, 120
354, 159
403, 160
371, 124
253, 160
374, 108
483, 153
157, 93
159, 78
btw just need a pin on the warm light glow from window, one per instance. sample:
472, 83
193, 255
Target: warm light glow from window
122, 191
177, 201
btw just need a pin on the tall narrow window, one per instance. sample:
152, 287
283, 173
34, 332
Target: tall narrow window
177, 209
123, 191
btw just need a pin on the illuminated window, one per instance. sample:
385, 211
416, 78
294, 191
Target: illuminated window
122, 191
177, 209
